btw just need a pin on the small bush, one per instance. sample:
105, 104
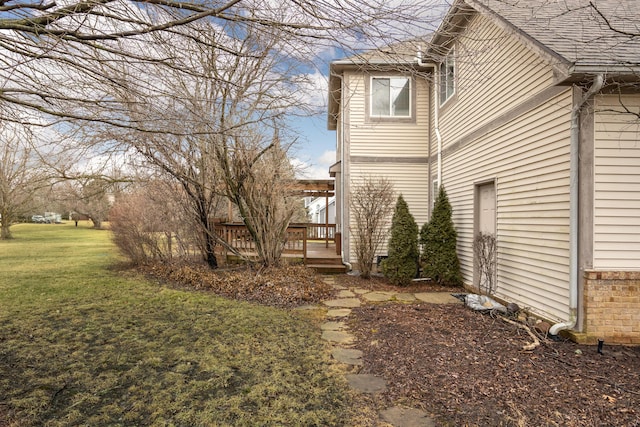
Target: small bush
438, 238
371, 207
402, 264
147, 226
133, 233
484, 250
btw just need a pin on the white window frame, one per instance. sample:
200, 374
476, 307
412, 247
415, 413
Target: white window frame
447, 75
390, 114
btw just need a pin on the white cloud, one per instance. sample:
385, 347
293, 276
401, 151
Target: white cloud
328, 158
312, 89
314, 170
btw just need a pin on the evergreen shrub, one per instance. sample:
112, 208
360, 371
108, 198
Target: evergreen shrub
402, 263
438, 238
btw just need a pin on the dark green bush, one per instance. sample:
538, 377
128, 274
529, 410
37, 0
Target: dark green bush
402, 264
438, 237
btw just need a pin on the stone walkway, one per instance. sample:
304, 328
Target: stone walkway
335, 332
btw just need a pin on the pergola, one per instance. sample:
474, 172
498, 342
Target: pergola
316, 188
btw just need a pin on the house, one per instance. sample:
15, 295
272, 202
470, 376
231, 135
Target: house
317, 209
528, 112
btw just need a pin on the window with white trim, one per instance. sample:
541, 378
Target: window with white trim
390, 97
447, 78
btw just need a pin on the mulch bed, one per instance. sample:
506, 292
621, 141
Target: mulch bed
467, 368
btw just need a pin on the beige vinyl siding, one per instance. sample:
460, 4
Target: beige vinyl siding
353, 98
495, 71
617, 184
410, 180
393, 149
528, 158
389, 138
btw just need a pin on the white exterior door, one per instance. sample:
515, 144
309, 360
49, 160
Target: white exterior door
485, 245
487, 208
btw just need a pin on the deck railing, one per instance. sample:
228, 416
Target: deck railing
321, 232
298, 235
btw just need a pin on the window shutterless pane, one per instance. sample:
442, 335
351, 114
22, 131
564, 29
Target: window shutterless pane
400, 97
380, 97
447, 78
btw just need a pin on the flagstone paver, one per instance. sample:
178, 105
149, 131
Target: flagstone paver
399, 416
333, 326
348, 356
346, 294
367, 383
405, 297
378, 296
437, 298
343, 302
339, 312
339, 337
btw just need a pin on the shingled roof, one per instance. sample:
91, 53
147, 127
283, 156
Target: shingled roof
589, 36
403, 52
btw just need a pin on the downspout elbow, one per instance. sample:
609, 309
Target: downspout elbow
573, 317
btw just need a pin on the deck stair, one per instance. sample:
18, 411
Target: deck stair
326, 264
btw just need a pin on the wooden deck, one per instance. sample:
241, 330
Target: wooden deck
317, 249
312, 244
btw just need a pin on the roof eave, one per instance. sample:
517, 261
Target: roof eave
615, 73
455, 19
335, 93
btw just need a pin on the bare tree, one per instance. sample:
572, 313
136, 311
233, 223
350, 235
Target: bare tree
372, 204
258, 180
182, 85
221, 120
22, 175
63, 60
90, 197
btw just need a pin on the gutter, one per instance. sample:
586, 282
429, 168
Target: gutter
574, 177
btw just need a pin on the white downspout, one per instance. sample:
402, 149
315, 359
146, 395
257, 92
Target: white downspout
436, 102
574, 178
436, 125
343, 168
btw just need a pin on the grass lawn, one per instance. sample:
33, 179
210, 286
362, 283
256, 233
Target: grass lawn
84, 344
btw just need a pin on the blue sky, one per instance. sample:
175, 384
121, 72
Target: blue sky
315, 151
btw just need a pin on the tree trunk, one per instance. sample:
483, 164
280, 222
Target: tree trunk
5, 232
208, 234
210, 246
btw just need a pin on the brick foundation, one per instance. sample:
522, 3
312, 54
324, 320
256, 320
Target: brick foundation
612, 306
